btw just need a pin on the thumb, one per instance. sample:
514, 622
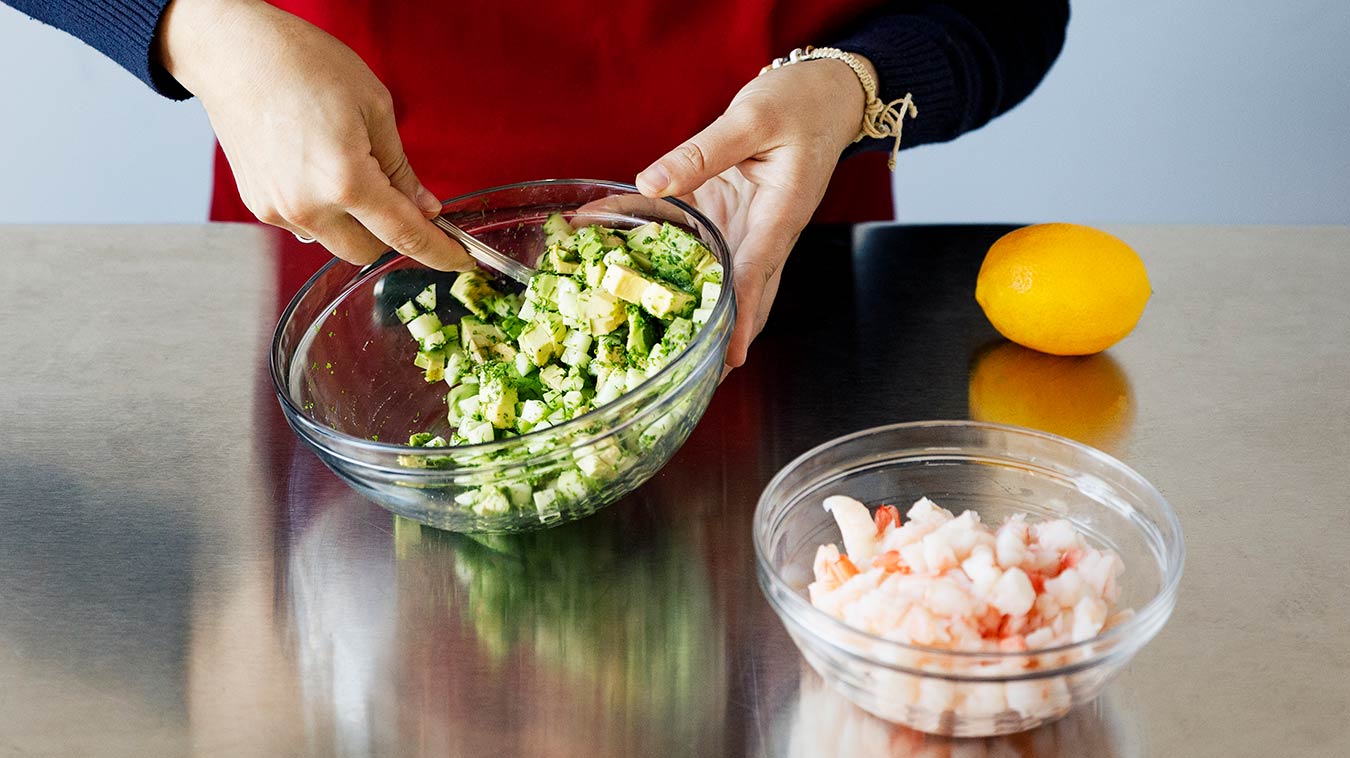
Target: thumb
723, 144
387, 148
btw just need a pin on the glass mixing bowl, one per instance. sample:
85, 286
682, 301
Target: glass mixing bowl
342, 367
997, 471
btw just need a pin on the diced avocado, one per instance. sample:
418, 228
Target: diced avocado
427, 298
556, 229
539, 342
424, 325
602, 311
609, 351
435, 368
422, 359
406, 312
664, 301
641, 333
503, 351
594, 273
644, 237
553, 376
558, 261
471, 288
451, 332
625, 283
420, 439
480, 339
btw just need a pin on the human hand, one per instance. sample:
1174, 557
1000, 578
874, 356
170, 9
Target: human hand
308, 129
760, 170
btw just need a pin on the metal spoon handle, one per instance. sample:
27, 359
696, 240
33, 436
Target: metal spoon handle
484, 253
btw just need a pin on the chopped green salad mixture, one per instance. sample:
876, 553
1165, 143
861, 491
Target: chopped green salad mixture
607, 310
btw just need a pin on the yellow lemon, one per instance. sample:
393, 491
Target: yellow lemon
1086, 398
1062, 289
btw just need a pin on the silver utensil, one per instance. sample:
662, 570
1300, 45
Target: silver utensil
484, 253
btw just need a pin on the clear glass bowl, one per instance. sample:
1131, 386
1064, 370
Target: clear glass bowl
342, 367
998, 471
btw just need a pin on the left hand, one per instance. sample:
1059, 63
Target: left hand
760, 170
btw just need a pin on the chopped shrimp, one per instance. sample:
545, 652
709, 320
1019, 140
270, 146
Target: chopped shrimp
1012, 542
952, 582
860, 534
886, 517
1013, 594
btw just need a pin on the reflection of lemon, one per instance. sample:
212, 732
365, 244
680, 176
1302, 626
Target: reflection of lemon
1082, 398
1062, 289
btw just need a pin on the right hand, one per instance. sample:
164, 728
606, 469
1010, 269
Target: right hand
308, 130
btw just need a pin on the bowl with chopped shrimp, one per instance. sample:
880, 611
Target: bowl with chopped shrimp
963, 578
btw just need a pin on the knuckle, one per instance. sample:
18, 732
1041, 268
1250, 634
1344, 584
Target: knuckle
692, 156
408, 240
345, 187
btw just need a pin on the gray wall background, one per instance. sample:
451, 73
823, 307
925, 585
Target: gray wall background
1183, 111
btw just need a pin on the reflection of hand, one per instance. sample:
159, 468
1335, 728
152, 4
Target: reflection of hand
760, 170
308, 129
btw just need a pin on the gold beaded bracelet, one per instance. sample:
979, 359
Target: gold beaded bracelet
880, 120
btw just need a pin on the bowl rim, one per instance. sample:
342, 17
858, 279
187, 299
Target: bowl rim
684, 359
1157, 609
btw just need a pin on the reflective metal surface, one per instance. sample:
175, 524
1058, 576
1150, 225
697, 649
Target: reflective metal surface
179, 577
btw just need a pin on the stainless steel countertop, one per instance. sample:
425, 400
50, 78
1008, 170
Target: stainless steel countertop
179, 577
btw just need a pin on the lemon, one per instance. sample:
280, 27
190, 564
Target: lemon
1062, 289
1086, 398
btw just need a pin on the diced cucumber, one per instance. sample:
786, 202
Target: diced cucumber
432, 341
424, 325
427, 298
556, 229
406, 312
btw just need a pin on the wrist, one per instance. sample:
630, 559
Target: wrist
849, 98
190, 31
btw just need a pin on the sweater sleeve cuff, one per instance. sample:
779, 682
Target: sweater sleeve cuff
910, 56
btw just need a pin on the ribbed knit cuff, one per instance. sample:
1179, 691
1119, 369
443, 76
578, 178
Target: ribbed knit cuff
123, 30
910, 55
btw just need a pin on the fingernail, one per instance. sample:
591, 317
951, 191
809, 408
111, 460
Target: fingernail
427, 201
654, 180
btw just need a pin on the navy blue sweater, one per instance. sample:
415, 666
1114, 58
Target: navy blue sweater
965, 61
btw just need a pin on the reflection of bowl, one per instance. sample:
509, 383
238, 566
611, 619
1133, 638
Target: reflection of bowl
1085, 398
824, 723
342, 370
997, 471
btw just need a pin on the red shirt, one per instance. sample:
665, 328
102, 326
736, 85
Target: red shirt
489, 93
